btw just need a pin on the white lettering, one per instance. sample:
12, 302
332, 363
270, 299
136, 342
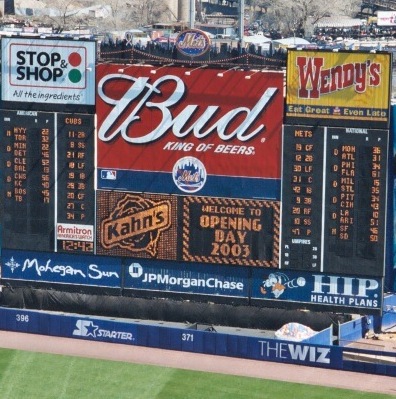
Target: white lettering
142, 91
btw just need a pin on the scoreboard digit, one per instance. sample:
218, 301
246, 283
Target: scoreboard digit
28, 165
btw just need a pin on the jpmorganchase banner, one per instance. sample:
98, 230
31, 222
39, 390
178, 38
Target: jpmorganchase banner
175, 130
189, 278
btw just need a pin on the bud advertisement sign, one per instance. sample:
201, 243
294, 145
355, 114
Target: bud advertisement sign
344, 88
335, 291
180, 130
48, 71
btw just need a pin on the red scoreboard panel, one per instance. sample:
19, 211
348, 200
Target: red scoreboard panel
334, 200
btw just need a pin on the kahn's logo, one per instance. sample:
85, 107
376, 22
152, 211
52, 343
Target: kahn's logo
136, 224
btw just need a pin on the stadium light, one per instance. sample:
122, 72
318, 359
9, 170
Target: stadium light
154, 71
122, 70
221, 74
192, 70
254, 72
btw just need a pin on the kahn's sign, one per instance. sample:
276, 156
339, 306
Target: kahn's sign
48, 71
136, 223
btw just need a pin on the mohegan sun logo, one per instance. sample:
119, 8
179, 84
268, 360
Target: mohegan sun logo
136, 224
189, 174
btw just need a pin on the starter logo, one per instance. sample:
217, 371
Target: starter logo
136, 224
87, 328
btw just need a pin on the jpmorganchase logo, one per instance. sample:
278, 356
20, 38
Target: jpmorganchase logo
189, 174
172, 280
136, 224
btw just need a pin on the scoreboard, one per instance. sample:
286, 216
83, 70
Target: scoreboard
334, 200
48, 163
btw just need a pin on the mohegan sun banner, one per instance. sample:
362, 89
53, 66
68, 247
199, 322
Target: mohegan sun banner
338, 88
184, 131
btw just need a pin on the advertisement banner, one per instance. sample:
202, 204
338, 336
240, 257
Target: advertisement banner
386, 18
48, 71
177, 130
231, 231
131, 224
103, 330
63, 269
190, 278
331, 291
343, 88
194, 229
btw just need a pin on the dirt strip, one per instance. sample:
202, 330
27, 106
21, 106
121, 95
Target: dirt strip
192, 361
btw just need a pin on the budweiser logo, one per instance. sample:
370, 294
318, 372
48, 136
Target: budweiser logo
144, 95
136, 224
315, 80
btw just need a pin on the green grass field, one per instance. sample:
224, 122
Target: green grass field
29, 375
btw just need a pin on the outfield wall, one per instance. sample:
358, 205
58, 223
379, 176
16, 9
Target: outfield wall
193, 340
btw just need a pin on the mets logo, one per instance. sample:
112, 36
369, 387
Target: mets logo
189, 174
192, 42
136, 224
